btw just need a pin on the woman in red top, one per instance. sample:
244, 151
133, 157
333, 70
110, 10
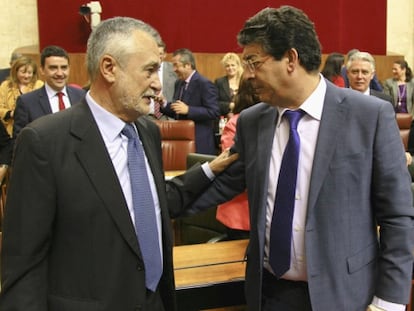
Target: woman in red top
234, 214
332, 69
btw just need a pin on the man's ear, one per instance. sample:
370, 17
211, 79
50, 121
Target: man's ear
292, 57
108, 67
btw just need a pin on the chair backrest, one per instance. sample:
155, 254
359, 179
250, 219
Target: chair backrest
178, 140
404, 121
201, 227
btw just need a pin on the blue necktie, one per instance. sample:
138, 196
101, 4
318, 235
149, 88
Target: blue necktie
281, 227
144, 210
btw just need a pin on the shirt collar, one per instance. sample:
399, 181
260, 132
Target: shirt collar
190, 76
109, 125
313, 105
367, 91
51, 92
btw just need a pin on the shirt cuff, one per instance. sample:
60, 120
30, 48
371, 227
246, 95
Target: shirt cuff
207, 170
386, 305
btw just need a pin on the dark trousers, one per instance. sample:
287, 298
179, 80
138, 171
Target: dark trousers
284, 295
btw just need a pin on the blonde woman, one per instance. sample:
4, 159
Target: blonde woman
23, 78
227, 85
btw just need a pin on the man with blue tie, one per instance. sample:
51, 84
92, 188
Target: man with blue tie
87, 225
338, 232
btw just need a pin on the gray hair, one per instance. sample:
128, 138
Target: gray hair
186, 57
113, 36
363, 56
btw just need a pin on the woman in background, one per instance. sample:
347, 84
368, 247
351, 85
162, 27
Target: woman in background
23, 78
332, 69
400, 87
227, 86
234, 214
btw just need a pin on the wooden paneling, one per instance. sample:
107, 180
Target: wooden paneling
208, 64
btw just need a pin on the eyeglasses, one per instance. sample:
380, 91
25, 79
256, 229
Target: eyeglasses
253, 65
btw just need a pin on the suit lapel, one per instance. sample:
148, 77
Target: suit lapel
409, 96
264, 139
226, 87
333, 117
150, 149
190, 86
44, 101
94, 158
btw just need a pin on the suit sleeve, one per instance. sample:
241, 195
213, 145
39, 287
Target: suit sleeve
208, 110
21, 117
223, 99
27, 227
388, 88
6, 146
393, 207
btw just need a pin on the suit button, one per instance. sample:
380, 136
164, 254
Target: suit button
140, 267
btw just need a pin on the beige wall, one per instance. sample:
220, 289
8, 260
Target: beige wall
20, 28
400, 29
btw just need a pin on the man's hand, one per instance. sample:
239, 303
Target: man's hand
179, 107
222, 161
409, 158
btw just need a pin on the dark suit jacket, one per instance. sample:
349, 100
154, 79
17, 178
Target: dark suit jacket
6, 146
68, 239
224, 94
359, 180
35, 104
201, 97
381, 95
4, 74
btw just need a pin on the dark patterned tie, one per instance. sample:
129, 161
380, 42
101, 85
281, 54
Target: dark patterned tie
144, 210
281, 227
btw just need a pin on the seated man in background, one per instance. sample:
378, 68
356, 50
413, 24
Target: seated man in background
360, 72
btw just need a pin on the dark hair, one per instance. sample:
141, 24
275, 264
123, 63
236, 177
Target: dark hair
245, 96
186, 57
333, 66
404, 65
279, 30
52, 50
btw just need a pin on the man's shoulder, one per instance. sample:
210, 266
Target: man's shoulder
381, 95
221, 80
32, 95
199, 77
76, 90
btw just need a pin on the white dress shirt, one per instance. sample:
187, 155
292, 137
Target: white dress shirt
308, 129
116, 143
54, 100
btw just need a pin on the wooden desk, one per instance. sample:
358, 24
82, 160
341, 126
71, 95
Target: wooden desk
210, 275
